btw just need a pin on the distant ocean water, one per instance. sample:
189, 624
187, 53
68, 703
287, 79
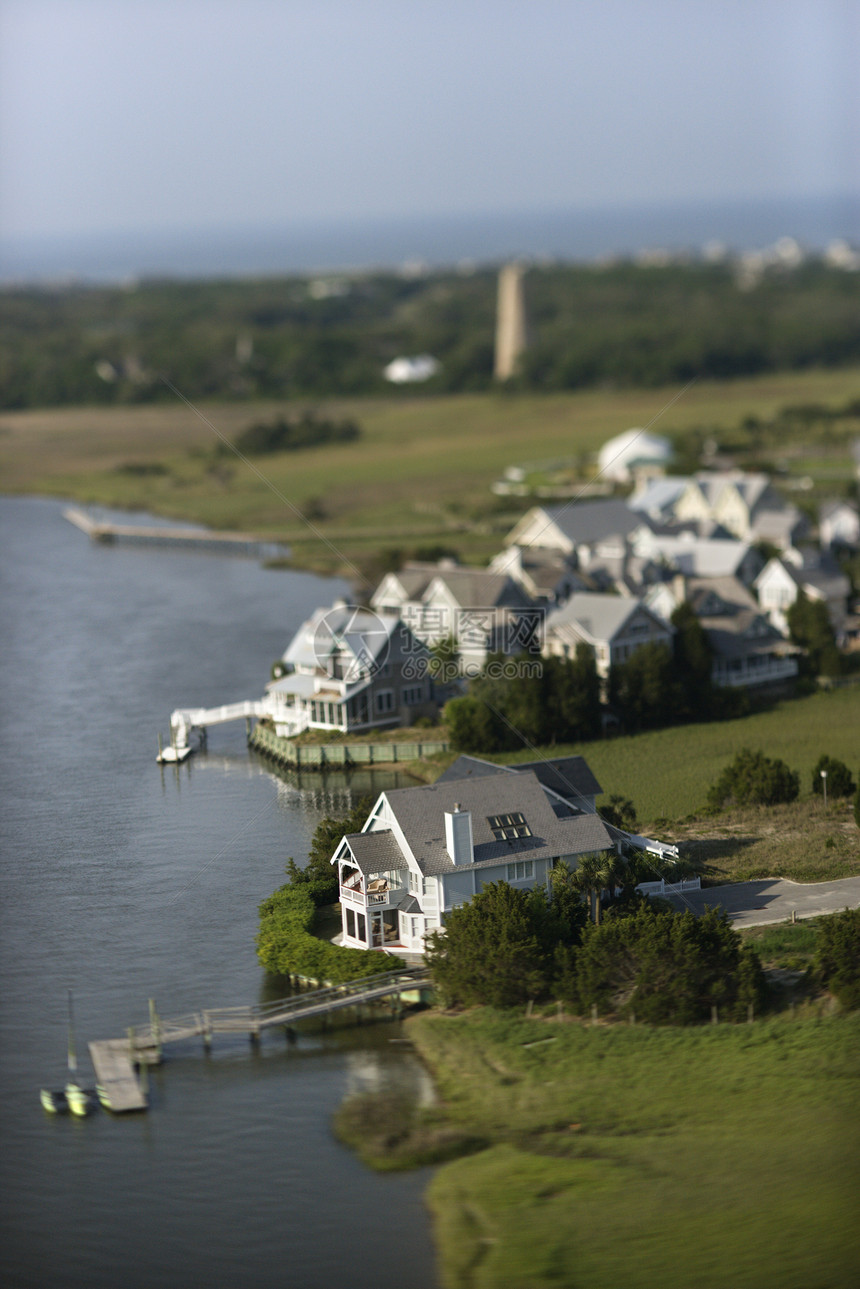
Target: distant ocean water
330, 246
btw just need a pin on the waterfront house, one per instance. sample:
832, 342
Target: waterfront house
349, 669
425, 850
482, 611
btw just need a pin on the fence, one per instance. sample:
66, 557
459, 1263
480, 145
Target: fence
670, 888
319, 756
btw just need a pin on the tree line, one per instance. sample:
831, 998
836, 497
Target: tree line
610, 325
658, 685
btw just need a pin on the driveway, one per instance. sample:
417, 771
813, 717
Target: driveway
773, 900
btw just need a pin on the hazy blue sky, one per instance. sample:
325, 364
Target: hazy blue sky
126, 114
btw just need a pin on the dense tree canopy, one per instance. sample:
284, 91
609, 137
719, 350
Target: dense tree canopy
606, 325
666, 967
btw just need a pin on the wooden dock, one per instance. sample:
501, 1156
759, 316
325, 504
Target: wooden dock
114, 1059
161, 535
116, 1080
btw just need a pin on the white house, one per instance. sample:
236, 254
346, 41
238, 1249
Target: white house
816, 574
633, 451
577, 529
484, 611
746, 504
414, 370
700, 556
350, 669
839, 525
425, 850
614, 626
747, 649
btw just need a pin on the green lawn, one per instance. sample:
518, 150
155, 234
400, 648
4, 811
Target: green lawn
667, 773
620, 1155
421, 472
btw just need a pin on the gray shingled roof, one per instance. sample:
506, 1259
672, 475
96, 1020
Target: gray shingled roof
592, 521
376, 852
420, 812
569, 776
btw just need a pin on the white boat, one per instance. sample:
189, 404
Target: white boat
172, 755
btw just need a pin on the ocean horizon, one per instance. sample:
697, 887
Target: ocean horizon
432, 241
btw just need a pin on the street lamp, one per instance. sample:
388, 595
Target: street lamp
824, 784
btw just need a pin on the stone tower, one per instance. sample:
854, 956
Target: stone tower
511, 330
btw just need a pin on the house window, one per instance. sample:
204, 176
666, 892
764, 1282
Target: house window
523, 870
413, 695
509, 827
385, 700
350, 924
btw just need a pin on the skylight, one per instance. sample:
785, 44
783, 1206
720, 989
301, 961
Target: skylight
509, 827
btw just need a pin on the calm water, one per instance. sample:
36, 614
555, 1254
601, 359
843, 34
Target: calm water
124, 882
578, 234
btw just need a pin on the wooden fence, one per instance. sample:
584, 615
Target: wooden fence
321, 756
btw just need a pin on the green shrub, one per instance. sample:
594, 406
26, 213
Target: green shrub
839, 781
754, 779
837, 957
666, 967
286, 944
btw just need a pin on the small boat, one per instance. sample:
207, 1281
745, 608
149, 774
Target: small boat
73, 1099
173, 754
54, 1102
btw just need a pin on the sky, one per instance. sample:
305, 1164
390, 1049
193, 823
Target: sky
146, 114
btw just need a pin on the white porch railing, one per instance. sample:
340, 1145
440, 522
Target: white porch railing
352, 895
670, 888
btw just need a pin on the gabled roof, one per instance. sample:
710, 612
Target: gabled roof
600, 617
420, 813
582, 522
703, 557
657, 497
568, 776
376, 852
478, 588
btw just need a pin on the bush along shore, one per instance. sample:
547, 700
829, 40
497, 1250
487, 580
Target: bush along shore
286, 942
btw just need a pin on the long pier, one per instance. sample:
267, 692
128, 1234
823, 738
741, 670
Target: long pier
114, 1060
201, 539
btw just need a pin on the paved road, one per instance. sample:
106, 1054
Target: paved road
772, 900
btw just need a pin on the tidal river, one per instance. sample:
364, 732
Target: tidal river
123, 881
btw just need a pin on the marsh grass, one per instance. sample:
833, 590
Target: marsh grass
422, 469
624, 1155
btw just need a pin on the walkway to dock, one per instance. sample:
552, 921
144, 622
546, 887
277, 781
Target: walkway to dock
203, 539
114, 1059
184, 720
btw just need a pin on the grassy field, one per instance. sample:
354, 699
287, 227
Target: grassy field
421, 473
621, 1155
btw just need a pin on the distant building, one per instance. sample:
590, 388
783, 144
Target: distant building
511, 325
485, 612
614, 626
634, 450
405, 371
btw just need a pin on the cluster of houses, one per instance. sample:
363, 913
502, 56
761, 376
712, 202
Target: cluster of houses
606, 573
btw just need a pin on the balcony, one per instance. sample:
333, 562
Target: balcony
379, 894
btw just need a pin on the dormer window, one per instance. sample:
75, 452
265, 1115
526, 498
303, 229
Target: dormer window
509, 827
